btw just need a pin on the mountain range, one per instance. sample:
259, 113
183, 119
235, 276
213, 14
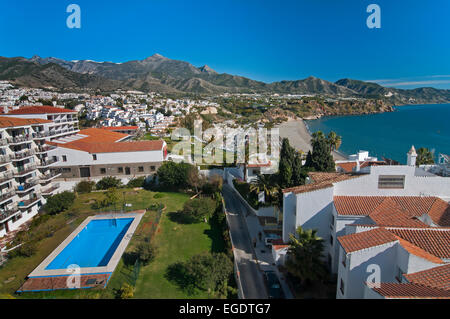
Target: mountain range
160, 74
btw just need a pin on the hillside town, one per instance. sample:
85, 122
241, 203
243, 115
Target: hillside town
377, 229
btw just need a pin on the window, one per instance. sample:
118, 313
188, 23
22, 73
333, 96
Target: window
120, 170
152, 168
66, 170
342, 287
102, 170
64, 157
141, 169
344, 258
332, 222
391, 181
331, 240
400, 273
94, 157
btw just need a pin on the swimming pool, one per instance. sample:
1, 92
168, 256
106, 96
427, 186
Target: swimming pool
94, 245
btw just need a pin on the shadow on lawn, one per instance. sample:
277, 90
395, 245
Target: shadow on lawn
180, 218
176, 273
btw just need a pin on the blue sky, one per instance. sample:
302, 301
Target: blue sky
264, 40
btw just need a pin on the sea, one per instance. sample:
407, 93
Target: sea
391, 134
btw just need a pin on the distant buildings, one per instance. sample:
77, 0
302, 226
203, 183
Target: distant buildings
391, 219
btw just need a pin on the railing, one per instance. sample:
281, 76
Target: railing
6, 177
51, 189
27, 203
7, 195
51, 175
24, 170
19, 139
26, 186
5, 159
22, 155
6, 213
47, 163
46, 148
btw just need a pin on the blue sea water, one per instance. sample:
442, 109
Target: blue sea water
94, 245
391, 134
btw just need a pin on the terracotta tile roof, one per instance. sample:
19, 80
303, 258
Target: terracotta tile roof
435, 241
389, 213
6, 121
321, 180
120, 128
39, 110
367, 239
396, 210
419, 252
409, 290
253, 165
437, 277
106, 141
349, 166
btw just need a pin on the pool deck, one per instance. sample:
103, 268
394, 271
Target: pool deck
41, 272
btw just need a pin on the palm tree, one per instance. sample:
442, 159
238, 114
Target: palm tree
334, 140
264, 183
304, 256
317, 136
424, 156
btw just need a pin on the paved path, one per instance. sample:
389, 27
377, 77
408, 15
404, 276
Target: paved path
244, 228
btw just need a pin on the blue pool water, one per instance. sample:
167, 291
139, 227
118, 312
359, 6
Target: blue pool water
94, 245
392, 134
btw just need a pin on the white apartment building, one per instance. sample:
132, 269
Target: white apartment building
377, 196
26, 170
96, 152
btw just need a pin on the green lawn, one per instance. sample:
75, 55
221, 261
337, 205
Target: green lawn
175, 242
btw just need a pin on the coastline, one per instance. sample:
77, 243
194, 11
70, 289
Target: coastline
299, 135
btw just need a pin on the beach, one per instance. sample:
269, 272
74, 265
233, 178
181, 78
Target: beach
299, 137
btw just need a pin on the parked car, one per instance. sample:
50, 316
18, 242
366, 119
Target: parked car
273, 285
271, 237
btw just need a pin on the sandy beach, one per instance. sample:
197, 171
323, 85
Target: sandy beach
299, 138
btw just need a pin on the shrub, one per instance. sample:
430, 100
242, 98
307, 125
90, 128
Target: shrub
158, 195
26, 250
146, 252
173, 175
136, 182
108, 182
126, 291
199, 208
84, 187
59, 202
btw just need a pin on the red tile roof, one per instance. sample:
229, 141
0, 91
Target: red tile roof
349, 166
388, 213
120, 128
419, 252
435, 241
6, 121
437, 277
367, 239
106, 141
321, 181
409, 290
39, 110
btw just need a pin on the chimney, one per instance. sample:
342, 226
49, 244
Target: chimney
412, 156
5, 109
358, 166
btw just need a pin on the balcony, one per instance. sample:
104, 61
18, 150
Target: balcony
27, 186
7, 213
49, 191
19, 139
24, 204
22, 171
21, 155
48, 177
45, 149
3, 142
4, 177
5, 159
47, 163
7, 195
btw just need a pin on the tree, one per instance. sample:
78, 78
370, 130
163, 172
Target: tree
59, 202
199, 208
304, 256
266, 184
173, 175
111, 197
126, 291
321, 159
146, 252
334, 140
84, 187
424, 156
108, 182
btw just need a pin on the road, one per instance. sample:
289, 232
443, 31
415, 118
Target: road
251, 278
